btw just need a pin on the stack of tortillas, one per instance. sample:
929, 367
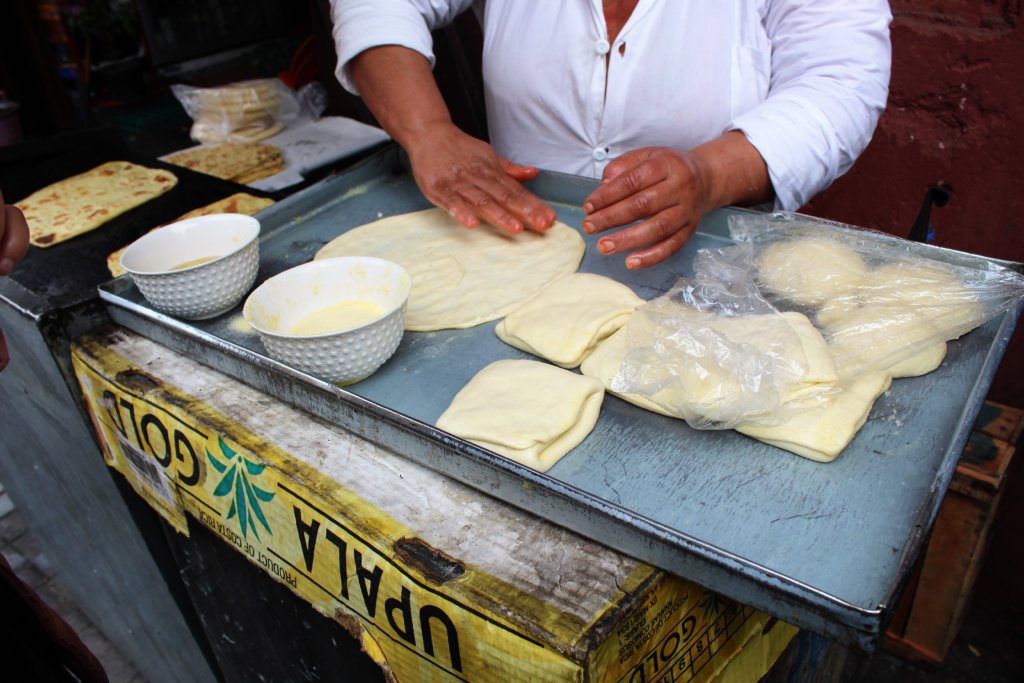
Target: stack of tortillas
241, 162
84, 202
245, 111
236, 203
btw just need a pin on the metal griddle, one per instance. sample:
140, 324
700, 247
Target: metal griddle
823, 546
67, 273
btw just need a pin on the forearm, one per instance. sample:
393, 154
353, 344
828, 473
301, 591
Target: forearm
455, 171
396, 83
735, 173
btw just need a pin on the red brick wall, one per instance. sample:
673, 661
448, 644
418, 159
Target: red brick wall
956, 108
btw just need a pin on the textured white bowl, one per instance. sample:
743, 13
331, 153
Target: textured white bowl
344, 356
205, 290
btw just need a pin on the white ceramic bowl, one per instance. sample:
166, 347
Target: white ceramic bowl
223, 251
342, 351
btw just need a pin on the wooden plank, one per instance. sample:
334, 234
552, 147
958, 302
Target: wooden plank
929, 614
1000, 421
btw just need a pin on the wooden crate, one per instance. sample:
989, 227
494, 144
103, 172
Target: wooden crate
933, 605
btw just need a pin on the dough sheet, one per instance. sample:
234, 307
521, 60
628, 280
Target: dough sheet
462, 277
822, 428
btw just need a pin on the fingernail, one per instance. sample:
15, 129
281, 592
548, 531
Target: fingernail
633, 263
605, 246
588, 227
588, 207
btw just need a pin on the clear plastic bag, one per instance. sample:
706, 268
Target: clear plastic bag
719, 356
880, 301
247, 111
797, 312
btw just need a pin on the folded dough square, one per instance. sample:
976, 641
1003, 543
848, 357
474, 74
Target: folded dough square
565, 321
531, 412
826, 425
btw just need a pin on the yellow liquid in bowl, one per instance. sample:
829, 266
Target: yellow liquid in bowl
343, 315
194, 262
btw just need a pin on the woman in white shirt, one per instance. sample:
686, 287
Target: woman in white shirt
679, 107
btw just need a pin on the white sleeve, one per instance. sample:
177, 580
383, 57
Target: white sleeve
829, 83
362, 24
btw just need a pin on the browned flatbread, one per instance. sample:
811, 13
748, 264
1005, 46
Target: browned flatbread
229, 160
247, 111
262, 171
236, 203
86, 201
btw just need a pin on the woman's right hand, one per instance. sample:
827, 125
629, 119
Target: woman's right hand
457, 172
468, 179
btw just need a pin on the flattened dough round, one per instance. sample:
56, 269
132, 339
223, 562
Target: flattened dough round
462, 277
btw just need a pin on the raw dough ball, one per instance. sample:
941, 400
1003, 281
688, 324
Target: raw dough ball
875, 337
921, 363
914, 283
899, 320
462, 277
809, 272
565, 321
934, 292
531, 412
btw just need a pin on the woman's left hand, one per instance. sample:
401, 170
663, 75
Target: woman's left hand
665, 189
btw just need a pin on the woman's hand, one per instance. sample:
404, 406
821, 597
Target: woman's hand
668, 191
462, 175
467, 178
665, 189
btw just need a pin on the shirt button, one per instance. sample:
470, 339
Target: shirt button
600, 154
602, 47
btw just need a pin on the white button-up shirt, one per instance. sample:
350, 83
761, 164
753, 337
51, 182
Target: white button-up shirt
804, 80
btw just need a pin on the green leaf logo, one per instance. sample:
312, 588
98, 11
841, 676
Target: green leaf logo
234, 481
711, 604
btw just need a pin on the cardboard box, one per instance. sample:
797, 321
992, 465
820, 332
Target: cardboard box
932, 608
436, 580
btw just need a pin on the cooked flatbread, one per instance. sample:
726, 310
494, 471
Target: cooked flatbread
84, 202
246, 112
236, 203
262, 171
231, 160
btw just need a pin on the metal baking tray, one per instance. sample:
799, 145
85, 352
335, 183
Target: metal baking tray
822, 546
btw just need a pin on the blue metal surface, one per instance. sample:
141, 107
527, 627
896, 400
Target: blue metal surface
823, 546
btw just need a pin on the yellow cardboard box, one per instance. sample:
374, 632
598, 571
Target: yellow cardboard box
289, 493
